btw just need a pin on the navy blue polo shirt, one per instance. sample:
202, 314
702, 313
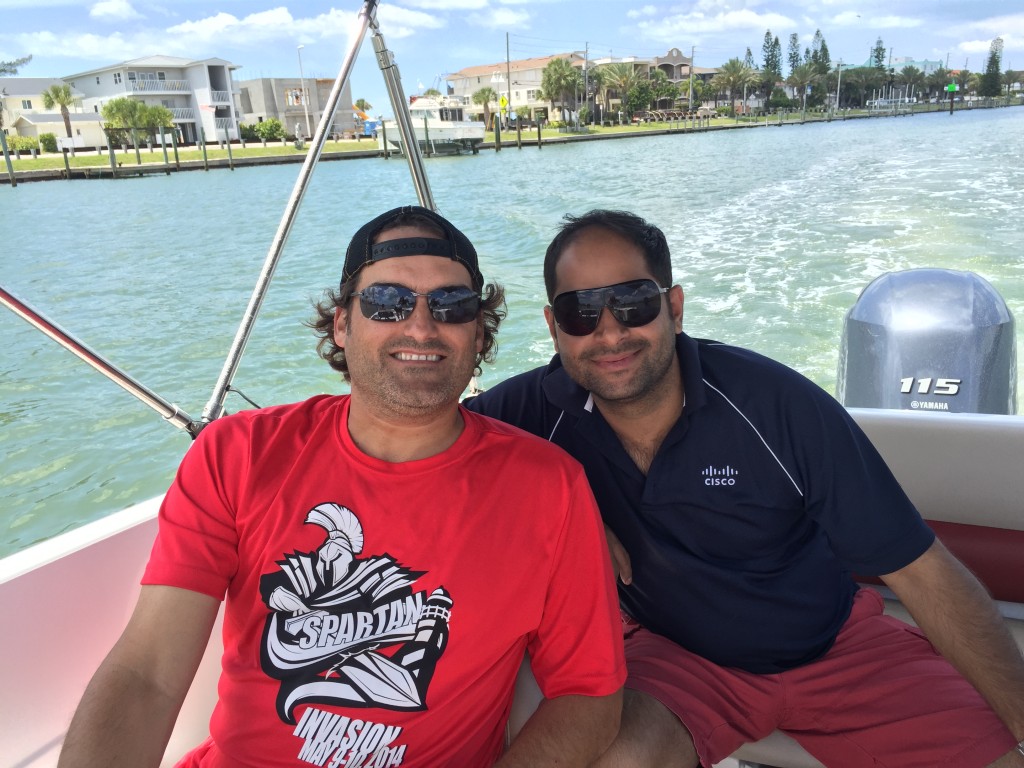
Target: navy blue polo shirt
762, 500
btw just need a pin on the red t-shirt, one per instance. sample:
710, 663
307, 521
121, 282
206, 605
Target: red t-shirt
377, 613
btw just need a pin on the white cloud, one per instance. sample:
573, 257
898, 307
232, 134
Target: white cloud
679, 26
845, 19
501, 18
114, 9
447, 5
1001, 26
647, 10
894, 22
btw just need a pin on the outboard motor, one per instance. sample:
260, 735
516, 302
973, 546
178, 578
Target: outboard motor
929, 340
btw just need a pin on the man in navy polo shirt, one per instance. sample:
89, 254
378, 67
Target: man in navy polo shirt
739, 498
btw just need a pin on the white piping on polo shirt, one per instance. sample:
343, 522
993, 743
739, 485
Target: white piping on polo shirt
756, 432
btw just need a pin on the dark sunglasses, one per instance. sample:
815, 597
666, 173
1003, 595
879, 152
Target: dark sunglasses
390, 303
633, 303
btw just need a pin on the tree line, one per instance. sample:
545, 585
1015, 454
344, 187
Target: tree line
812, 76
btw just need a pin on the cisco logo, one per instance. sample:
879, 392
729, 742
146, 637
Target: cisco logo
724, 476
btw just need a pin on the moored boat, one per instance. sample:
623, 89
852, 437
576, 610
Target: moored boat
441, 128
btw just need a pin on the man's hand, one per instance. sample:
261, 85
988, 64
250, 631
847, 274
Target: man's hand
621, 566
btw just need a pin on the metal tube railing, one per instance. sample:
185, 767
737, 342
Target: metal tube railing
215, 406
367, 17
169, 411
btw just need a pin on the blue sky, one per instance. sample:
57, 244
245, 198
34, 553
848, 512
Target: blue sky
433, 37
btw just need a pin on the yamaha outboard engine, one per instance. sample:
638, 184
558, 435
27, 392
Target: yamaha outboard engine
929, 339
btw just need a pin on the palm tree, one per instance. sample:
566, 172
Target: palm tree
938, 80
60, 95
560, 81
618, 77
801, 78
363, 105
484, 97
734, 76
597, 86
861, 80
663, 89
1011, 78
913, 78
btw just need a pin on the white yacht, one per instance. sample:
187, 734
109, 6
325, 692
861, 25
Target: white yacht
441, 128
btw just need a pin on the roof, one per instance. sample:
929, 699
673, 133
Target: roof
145, 62
503, 68
27, 86
37, 118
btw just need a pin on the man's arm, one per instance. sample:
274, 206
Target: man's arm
959, 618
566, 731
128, 711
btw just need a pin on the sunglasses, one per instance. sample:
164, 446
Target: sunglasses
633, 303
390, 303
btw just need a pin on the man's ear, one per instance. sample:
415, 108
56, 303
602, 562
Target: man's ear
550, 319
675, 303
340, 326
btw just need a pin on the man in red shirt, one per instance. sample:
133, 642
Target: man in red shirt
384, 566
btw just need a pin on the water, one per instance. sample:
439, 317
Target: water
774, 232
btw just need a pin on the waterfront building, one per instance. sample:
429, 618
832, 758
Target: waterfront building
520, 81
23, 96
201, 94
292, 101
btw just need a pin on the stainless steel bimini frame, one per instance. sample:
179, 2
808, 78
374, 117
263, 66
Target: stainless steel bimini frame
215, 407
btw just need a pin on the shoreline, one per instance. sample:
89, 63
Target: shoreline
104, 171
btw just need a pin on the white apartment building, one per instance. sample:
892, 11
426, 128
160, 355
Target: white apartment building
201, 95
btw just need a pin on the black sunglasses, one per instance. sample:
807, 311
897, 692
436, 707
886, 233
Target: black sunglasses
633, 303
391, 303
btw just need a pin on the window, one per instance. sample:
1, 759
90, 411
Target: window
117, 78
97, 80
26, 104
95, 108
161, 76
131, 77
531, 95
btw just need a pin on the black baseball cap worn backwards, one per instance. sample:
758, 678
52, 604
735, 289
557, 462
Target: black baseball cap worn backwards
456, 246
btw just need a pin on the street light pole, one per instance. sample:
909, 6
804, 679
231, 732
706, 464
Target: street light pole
839, 84
305, 97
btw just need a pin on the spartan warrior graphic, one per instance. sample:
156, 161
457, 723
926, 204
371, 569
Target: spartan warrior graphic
349, 631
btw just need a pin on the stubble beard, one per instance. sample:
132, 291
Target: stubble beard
648, 381
414, 392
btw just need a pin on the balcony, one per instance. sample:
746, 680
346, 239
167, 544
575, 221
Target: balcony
183, 113
159, 86
225, 123
220, 97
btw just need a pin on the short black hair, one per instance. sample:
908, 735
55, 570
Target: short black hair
647, 237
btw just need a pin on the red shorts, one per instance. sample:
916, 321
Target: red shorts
881, 696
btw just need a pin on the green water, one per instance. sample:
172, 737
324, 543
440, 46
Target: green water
774, 232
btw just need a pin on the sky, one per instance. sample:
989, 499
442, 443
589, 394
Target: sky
431, 38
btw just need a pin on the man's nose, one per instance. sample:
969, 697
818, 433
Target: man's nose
608, 326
